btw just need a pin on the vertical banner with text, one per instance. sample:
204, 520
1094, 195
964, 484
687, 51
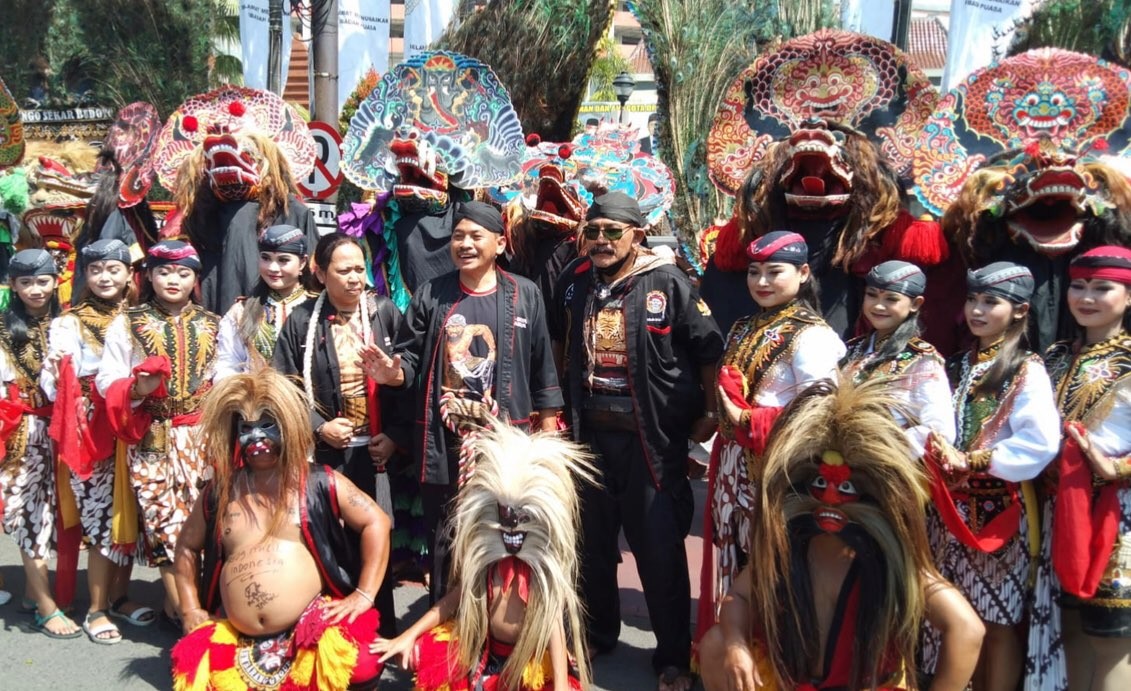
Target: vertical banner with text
980, 32
424, 22
872, 17
255, 41
363, 42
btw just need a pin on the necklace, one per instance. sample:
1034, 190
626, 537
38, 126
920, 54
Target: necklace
308, 344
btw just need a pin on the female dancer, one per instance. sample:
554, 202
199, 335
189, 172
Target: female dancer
78, 334
1087, 523
1007, 430
358, 426
892, 300
250, 328
770, 357
156, 367
27, 474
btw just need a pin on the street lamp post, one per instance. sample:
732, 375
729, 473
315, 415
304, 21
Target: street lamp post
623, 85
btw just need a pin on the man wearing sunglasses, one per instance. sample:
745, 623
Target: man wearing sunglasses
637, 350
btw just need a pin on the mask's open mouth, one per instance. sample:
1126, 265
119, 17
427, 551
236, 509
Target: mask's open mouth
829, 519
555, 205
512, 541
817, 179
1048, 213
232, 171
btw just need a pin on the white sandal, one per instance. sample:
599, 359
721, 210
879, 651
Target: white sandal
94, 632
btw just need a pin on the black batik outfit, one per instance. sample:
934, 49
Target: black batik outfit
524, 381
640, 437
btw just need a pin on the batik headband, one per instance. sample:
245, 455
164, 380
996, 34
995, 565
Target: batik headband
35, 262
283, 238
898, 277
111, 249
173, 252
1003, 279
779, 246
617, 206
481, 214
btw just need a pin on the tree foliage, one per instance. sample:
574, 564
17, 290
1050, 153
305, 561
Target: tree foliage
697, 47
541, 50
159, 51
1095, 27
608, 64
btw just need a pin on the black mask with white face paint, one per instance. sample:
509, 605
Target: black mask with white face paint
264, 430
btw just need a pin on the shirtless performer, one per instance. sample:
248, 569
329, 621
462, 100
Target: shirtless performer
265, 541
514, 594
845, 578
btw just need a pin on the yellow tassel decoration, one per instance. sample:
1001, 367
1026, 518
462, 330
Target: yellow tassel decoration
228, 680
302, 669
337, 658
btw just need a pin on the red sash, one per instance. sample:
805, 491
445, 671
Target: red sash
80, 441
1084, 525
993, 535
130, 424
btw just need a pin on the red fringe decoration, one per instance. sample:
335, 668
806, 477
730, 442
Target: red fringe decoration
730, 252
920, 242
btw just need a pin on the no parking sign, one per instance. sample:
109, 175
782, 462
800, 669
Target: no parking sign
326, 176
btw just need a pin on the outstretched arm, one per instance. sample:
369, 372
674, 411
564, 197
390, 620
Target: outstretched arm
962, 632
362, 515
444, 609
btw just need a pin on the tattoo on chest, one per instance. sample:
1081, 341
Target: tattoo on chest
256, 597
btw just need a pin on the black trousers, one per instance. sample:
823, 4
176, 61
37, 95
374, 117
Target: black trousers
436, 501
655, 523
356, 465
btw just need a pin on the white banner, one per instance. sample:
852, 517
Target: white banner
980, 32
872, 17
363, 42
424, 22
255, 41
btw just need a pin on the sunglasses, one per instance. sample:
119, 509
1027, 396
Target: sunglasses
612, 234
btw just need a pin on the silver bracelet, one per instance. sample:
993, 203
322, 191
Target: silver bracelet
366, 595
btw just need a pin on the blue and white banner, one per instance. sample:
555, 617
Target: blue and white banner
255, 41
980, 33
872, 17
363, 42
424, 22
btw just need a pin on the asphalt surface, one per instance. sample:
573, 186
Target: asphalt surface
141, 660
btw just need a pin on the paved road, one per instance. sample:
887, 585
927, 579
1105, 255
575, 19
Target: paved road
32, 661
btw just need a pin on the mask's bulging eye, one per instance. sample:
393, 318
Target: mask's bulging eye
847, 487
819, 483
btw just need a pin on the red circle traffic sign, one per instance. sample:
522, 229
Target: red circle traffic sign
326, 176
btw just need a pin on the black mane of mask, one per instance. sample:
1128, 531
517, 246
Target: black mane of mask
799, 646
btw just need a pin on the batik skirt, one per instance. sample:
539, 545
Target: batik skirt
995, 583
94, 497
731, 505
1045, 665
27, 482
167, 472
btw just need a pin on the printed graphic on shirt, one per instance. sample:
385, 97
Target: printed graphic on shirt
469, 348
608, 369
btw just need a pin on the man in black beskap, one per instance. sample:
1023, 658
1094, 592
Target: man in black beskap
638, 351
475, 345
